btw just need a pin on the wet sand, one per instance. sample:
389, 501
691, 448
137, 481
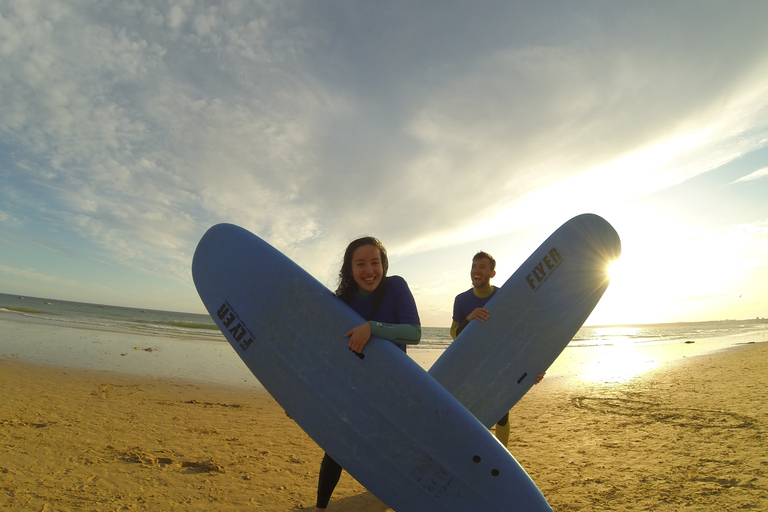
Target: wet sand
689, 436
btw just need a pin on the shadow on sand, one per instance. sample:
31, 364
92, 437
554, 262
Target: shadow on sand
365, 501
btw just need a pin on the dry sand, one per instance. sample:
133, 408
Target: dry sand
688, 437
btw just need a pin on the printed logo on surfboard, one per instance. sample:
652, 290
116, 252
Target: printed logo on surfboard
236, 327
544, 269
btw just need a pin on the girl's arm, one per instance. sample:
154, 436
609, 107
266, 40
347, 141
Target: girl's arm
406, 334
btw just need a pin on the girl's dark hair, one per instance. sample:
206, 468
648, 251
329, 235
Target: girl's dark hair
347, 285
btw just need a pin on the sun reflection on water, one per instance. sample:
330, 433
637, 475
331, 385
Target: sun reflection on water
619, 360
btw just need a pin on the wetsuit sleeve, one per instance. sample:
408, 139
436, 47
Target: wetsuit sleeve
457, 327
457, 313
406, 334
407, 313
459, 316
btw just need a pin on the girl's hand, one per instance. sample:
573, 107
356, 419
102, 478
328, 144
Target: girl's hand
359, 336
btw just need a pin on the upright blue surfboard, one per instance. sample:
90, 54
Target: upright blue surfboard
375, 416
533, 317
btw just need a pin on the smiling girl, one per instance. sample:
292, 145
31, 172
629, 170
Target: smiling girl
388, 306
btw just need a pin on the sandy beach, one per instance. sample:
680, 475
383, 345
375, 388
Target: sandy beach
689, 436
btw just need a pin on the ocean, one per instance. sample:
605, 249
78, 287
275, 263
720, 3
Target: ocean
66, 333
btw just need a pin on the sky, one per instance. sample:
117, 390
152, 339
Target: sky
129, 128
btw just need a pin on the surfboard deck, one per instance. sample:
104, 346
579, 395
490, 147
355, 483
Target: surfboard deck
383, 418
533, 316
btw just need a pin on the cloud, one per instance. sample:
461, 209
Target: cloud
760, 173
133, 132
138, 125
33, 275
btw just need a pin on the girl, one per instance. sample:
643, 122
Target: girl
387, 304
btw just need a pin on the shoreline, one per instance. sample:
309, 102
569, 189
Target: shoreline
688, 435
210, 361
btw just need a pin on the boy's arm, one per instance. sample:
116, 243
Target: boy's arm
456, 327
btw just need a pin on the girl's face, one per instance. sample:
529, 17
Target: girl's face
367, 269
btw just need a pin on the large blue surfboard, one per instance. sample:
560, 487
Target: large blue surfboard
382, 417
533, 317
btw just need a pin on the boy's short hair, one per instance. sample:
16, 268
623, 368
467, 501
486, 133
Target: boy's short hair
483, 254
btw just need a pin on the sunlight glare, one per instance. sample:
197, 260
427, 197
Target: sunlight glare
615, 270
620, 362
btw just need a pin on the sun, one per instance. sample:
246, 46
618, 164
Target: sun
616, 270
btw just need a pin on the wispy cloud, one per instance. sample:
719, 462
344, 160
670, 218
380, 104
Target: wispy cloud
135, 126
761, 173
36, 276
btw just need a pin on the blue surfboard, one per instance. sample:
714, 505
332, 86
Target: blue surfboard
375, 416
533, 317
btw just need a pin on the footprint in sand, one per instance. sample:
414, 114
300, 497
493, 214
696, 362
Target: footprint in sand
659, 413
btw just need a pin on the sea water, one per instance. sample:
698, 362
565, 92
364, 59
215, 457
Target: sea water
190, 346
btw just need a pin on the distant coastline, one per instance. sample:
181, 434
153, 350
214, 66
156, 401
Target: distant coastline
51, 301
757, 320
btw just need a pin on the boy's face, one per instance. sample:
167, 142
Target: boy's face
481, 273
